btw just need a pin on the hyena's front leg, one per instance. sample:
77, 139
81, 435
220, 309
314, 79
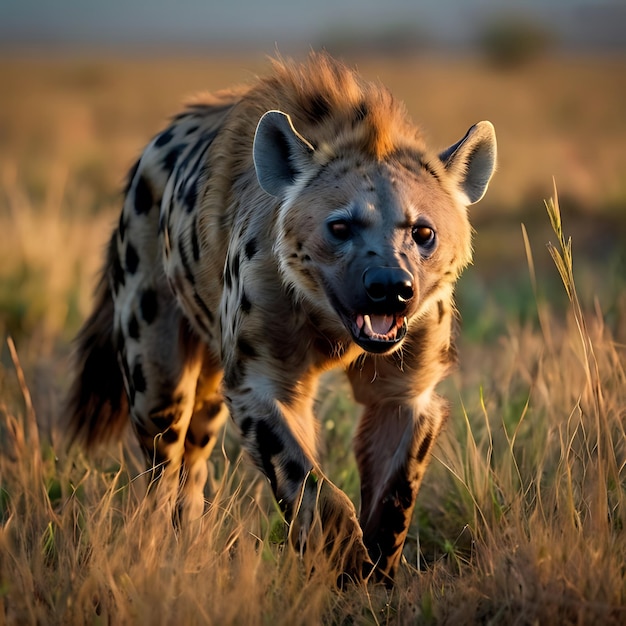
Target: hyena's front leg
392, 446
281, 439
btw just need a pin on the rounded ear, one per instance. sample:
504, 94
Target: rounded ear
280, 153
472, 160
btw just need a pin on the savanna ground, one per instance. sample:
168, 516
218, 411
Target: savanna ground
521, 518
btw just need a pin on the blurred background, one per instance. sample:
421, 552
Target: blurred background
367, 25
85, 85
523, 508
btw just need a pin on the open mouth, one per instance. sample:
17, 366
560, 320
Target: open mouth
378, 333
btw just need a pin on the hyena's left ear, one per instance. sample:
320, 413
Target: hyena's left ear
280, 153
472, 160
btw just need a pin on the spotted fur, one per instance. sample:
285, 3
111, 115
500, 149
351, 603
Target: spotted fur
270, 233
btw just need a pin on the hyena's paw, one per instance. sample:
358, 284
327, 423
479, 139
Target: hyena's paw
326, 522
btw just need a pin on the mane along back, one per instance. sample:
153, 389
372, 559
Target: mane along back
334, 108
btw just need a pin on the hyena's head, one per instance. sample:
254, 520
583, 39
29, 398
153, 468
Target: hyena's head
371, 242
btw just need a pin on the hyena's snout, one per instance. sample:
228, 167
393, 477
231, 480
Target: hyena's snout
382, 324
389, 289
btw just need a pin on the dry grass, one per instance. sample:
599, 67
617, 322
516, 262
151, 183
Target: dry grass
522, 515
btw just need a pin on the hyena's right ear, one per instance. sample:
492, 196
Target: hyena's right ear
472, 161
280, 153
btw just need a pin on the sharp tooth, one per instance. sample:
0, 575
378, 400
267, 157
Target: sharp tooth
367, 324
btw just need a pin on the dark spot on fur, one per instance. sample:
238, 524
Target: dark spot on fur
143, 196
141, 430
213, 410
170, 435
170, 159
179, 186
204, 442
139, 380
245, 426
441, 310
191, 195
209, 136
236, 267
199, 147
426, 165
164, 138
190, 437
246, 348
133, 327
149, 305
251, 248
132, 258
318, 108
121, 229
268, 445
163, 422
245, 305
424, 447
203, 307
156, 457
195, 246
298, 246
117, 271
394, 519
314, 319
191, 129
228, 281
294, 472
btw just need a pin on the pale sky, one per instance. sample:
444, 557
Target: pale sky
264, 22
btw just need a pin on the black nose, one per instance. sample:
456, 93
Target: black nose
388, 288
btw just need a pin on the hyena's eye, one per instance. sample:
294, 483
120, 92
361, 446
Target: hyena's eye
340, 229
424, 237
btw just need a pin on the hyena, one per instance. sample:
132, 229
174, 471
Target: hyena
269, 233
